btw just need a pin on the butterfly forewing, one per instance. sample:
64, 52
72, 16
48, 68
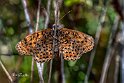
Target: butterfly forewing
38, 44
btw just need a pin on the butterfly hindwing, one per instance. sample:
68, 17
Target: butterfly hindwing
43, 50
74, 43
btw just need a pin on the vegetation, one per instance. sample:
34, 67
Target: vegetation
98, 18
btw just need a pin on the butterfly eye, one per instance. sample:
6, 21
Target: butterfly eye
56, 26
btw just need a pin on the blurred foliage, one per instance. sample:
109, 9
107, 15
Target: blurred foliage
85, 2
84, 16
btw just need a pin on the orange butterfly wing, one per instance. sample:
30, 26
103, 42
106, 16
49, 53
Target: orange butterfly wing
74, 43
38, 45
71, 43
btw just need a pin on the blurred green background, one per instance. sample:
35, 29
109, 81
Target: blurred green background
84, 16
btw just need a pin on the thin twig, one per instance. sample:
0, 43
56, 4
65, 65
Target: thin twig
30, 31
40, 71
110, 49
62, 70
32, 70
27, 16
56, 12
97, 36
121, 51
47, 13
50, 71
46, 25
38, 15
116, 72
56, 9
5, 70
39, 65
57, 6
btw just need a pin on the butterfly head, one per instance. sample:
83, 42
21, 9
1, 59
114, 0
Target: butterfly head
58, 26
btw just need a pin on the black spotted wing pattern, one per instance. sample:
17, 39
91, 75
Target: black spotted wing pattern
72, 44
38, 44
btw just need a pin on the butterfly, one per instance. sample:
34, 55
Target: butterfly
71, 44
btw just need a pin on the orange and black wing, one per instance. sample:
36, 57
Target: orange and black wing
38, 44
74, 43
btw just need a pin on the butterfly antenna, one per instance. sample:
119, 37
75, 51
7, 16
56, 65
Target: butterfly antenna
65, 15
